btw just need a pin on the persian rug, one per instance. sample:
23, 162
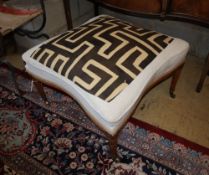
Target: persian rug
58, 138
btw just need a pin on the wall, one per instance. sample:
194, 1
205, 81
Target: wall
81, 11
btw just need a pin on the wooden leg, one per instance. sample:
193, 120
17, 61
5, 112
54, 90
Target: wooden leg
40, 89
205, 71
68, 16
13, 41
1, 167
1, 45
96, 9
113, 145
174, 80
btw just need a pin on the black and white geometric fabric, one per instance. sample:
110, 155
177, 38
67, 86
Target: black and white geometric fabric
103, 56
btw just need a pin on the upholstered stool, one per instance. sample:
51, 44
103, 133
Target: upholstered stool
107, 65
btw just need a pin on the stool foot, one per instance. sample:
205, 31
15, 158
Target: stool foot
174, 81
172, 95
199, 87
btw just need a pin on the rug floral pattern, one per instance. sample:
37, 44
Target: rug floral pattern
16, 132
64, 141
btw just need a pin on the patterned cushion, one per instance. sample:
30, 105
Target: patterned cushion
102, 56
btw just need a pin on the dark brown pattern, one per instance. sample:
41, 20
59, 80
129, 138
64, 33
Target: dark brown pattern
103, 56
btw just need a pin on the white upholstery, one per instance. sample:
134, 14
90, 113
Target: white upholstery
111, 115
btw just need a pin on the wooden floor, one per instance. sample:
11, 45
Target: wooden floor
187, 115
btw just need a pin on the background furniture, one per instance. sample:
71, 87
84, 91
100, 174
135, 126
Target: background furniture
11, 19
192, 11
195, 11
205, 72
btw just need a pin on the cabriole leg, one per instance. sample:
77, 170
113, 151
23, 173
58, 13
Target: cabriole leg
40, 89
174, 81
113, 145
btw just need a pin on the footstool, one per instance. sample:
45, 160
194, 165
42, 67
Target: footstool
107, 65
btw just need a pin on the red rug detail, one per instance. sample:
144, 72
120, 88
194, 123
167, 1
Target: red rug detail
14, 11
170, 136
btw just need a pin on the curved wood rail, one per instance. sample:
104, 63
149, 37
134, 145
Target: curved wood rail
193, 11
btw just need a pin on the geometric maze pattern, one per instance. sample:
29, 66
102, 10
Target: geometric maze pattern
103, 56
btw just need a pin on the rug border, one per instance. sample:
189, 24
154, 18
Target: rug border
170, 136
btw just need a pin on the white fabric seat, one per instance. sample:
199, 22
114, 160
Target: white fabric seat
110, 116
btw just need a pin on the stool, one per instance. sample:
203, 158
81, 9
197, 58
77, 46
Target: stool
11, 19
205, 71
107, 65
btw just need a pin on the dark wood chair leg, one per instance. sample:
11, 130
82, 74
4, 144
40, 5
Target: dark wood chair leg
205, 71
1, 167
1, 45
68, 16
40, 89
13, 41
96, 9
113, 145
174, 81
